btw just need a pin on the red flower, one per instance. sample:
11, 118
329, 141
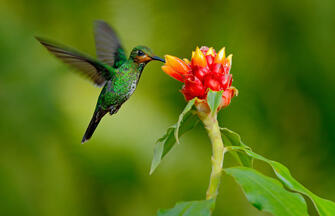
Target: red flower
206, 70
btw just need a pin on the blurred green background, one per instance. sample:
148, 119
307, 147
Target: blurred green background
283, 66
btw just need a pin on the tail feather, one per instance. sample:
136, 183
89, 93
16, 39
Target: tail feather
97, 116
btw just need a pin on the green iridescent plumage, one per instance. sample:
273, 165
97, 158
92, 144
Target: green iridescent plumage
117, 74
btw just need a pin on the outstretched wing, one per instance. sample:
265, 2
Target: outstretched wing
108, 46
94, 70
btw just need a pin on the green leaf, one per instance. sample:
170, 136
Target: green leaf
192, 208
268, 194
231, 138
323, 206
166, 142
214, 99
181, 117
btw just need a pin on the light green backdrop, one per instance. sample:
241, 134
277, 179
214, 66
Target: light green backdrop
283, 66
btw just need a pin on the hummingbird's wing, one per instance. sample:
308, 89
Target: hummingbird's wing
93, 69
108, 46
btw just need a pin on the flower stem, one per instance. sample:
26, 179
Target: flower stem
213, 130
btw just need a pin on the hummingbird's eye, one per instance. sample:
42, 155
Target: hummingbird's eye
140, 53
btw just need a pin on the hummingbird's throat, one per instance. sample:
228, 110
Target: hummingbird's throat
142, 59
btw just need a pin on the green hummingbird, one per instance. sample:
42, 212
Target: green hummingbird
117, 74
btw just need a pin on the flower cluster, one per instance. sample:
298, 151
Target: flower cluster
206, 70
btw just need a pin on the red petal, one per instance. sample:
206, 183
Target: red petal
216, 68
201, 72
193, 88
212, 82
204, 49
209, 59
225, 80
226, 98
226, 66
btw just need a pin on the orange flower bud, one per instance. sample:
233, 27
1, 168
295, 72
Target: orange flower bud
171, 72
220, 56
177, 64
210, 51
199, 59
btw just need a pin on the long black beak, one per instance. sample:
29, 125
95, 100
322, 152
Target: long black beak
157, 58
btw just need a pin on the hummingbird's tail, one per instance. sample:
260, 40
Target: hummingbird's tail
97, 116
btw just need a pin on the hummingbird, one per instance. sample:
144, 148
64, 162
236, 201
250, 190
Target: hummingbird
112, 70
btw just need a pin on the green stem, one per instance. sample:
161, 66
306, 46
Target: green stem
213, 130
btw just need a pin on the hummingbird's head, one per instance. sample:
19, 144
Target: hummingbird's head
143, 54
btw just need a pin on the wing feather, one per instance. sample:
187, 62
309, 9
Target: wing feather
108, 46
94, 70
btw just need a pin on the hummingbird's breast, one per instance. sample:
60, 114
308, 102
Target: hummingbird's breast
121, 87
132, 88
125, 83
